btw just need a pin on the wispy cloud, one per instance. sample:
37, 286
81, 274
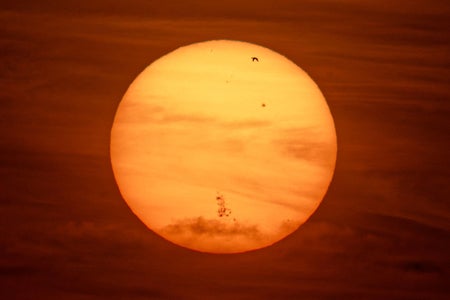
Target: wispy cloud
212, 227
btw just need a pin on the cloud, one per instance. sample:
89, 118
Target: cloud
215, 236
212, 227
420, 267
304, 143
226, 235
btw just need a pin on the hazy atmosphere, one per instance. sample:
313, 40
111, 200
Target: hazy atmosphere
382, 230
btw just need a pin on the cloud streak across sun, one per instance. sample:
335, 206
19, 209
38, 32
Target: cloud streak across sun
223, 235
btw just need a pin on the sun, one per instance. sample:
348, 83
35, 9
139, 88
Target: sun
223, 146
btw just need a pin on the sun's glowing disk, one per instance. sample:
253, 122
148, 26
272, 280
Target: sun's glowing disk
207, 128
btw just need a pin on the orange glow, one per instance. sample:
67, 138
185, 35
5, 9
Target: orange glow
219, 152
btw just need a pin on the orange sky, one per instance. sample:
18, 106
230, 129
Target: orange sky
383, 229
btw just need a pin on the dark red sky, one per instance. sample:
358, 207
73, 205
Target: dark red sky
383, 229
